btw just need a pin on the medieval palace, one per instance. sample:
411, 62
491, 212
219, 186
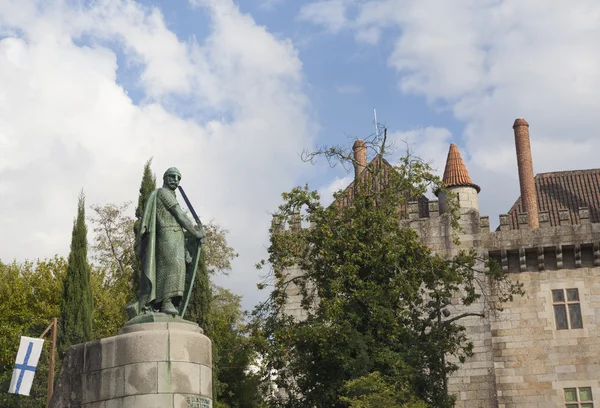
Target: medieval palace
543, 350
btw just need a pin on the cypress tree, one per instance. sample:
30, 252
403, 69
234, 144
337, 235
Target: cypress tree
76, 303
147, 186
198, 309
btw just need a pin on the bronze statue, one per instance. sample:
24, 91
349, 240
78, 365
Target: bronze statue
168, 247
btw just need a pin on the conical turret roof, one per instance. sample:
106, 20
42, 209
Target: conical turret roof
456, 174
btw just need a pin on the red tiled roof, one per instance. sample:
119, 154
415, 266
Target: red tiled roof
564, 190
456, 173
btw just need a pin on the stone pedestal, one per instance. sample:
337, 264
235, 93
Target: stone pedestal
149, 365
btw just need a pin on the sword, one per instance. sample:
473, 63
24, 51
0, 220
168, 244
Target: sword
195, 266
189, 206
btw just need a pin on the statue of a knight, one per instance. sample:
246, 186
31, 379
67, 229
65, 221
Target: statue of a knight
168, 247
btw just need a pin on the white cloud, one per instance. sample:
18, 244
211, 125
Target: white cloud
269, 4
338, 183
65, 122
491, 61
430, 144
331, 14
368, 36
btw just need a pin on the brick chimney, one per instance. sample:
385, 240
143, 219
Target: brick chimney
360, 157
526, 178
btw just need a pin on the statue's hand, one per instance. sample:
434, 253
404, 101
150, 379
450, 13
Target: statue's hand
199, 232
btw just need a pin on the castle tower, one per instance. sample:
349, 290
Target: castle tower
457, 179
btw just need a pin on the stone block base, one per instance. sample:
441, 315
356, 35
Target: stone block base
149, 365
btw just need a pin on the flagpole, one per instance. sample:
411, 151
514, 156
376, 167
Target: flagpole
51, 327
51, 365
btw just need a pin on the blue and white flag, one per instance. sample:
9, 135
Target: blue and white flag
27, 361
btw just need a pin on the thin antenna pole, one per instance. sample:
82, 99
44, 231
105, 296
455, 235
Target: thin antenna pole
376, 125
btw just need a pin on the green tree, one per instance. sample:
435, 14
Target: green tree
75, 322
200, 299
371, 291
237, 385
30, 294
110, 297
216, 256
376, 391
147, 186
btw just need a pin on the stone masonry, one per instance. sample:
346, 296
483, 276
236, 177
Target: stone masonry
521, 359
148, 365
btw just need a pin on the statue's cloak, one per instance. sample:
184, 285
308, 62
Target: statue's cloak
145, 249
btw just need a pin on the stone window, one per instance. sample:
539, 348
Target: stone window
578, 397
567, 309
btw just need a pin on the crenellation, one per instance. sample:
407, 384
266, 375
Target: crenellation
523, 221
544, 217
413, 210
584, 215
484, 223
295, 222
434, 208
564, 216
504, 222
277, 224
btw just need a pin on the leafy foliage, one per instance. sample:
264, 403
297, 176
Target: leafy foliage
110, 297
200, 299
218, 254
75, 321
113, 246
371, 293
30, 295
237, 386
376, 391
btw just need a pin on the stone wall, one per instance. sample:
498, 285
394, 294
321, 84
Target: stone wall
534, 361
293, 306
148, 365
521, 359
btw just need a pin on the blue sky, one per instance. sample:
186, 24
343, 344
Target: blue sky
232, 92
343, 80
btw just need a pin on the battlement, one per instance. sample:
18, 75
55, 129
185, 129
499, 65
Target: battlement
415, 213
564, 215
564, 246
278, 224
